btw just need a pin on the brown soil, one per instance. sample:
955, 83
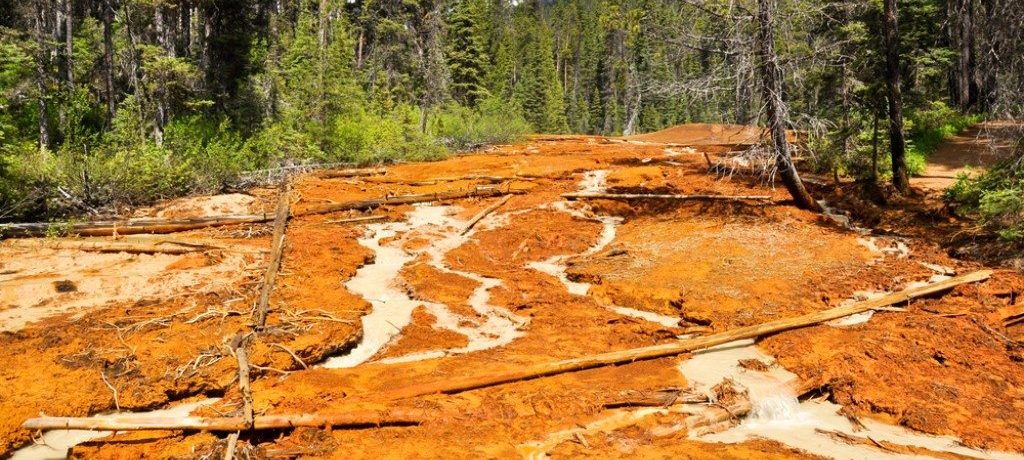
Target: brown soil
944, 366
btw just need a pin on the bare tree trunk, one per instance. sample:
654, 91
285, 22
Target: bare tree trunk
874, 149
771, 75
69, 48
897, 143
42, 59
634, 100
108, 58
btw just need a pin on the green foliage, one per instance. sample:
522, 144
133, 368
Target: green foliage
998, 198
494, 122
365, 137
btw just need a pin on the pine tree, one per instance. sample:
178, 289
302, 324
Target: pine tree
539, 89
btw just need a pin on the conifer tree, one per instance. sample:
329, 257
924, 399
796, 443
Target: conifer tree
466, 54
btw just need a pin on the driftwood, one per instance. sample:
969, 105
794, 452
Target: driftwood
460, 384
472, 223
351, 419
651, 196
336, 173
112, 246
137, 226
357, 220
259, 317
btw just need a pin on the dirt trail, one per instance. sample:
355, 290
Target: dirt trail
972, 151
539, 279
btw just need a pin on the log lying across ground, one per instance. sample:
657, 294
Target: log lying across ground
460, 384
112, 246
351, 419
363, 205
476, 219
470, 177
336, 173
138, 226
645, 196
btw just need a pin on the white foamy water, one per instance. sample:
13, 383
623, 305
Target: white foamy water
593, 181
392, 307
54, 444
778, 415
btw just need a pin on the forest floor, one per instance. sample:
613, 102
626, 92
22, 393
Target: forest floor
362, 310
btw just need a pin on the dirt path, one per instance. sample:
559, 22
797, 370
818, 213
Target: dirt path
972, 151
360, 309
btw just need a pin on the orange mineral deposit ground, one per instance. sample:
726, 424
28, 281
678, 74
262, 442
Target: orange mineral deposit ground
367, 315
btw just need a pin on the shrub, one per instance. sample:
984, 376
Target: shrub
494, 122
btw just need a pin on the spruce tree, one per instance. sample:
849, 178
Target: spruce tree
467, 59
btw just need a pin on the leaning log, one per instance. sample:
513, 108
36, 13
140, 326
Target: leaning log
352, 419
460, 384
259, 317
651, 196
475, 220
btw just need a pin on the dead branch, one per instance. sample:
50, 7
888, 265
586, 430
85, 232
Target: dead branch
472, 223
647, 196
352, 419
357, 220
109, 247
292, 353
458, 385
259, 317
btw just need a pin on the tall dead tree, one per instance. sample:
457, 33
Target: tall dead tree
900, 178
69, 48
771, 79
108, 58
42, 75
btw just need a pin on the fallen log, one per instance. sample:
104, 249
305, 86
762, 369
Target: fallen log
337, 173
139, 226
470, 177
128, 227
357, 220
259, 317
363, 205
651, 196
461, 384
472, 223
352, 419
112, 246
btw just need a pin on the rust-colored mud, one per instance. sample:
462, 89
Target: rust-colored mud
944, 366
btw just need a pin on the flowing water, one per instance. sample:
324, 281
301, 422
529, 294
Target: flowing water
54, 444
593, 181
778, 415
392, 307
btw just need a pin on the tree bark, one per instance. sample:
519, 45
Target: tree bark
108, 58
69, 48
771, 75
897, 143
42, 61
